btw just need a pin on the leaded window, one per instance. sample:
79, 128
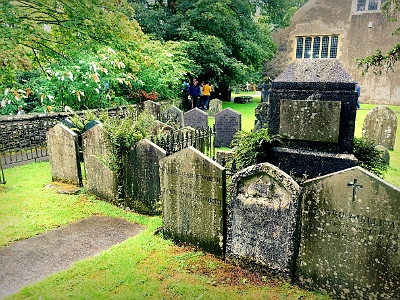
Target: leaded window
317, 47
369, 5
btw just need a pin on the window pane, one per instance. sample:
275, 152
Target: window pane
307, 48
324, 49
361, 5
334, 45
373, 5
299, 48
316, 46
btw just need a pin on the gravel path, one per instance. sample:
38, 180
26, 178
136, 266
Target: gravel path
31, 260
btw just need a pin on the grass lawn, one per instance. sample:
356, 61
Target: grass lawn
145, 266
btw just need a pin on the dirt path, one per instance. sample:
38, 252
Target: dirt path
31, 260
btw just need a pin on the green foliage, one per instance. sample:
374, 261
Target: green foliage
225, 38
252, 147
92, 54
369, 157
379, 62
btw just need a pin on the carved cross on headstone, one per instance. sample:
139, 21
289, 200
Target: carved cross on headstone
355, 186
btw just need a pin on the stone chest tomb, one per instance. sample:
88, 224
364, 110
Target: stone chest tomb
312, 107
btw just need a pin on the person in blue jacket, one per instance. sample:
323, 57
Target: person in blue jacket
194, 92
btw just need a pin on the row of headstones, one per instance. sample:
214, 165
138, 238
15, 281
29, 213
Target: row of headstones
338, 233
347, 222
227, 121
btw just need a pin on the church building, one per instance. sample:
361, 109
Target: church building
346, 30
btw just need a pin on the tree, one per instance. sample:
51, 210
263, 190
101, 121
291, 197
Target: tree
379, 62
91, 53
225, 38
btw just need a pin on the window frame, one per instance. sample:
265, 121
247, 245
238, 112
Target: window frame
326, 46
367, 4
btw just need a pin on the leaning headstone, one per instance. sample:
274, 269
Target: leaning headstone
227, 123
62, 145
380, 125
101, 180
173, 117
160, 127
90, 125
196, 118
262, 220
350, 227
194, 200
142, 177
215, 107
150, 108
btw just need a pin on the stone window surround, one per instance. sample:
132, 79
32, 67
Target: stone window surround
313, 37
354, 10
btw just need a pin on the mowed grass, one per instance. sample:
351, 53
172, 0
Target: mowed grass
143, 267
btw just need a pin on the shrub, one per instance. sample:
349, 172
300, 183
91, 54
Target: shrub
251, 147
369, 157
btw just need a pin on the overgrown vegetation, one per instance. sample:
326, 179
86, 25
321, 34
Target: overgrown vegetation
370, 157
251, 147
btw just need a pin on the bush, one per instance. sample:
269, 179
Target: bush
369, 157
251, 147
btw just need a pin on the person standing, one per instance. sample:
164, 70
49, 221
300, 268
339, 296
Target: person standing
358, 90
206, 94
194, 92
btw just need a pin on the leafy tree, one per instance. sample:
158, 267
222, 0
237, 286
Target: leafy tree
378, 61
225, 38
91, 53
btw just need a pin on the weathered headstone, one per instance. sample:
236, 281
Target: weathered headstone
172, 116
350, 227
312, 107
90, 125
227, 123
196, 118
142, 177
262, 220
150, 108
384, 153
380, 125
215, 107
194, 200
261, 113
160, 127
62, 145
101, 180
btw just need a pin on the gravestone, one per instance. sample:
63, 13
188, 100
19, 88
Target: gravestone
261, 113
380, 125
196, 118
227, 123
68, 123
194, 200
350, 227
100, 178
142, 177
384, 153
215, 107
90, 125
312, 107
173, 117
160, 127
262, 220
62, 145
149, 107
